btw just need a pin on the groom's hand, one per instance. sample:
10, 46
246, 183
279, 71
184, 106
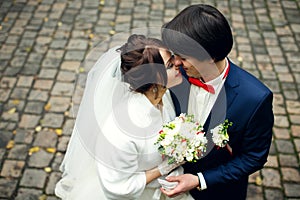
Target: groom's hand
186, 182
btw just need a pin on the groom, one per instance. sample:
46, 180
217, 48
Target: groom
215, 90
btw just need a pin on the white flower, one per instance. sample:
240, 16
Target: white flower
200, 139
169, 150
219, 138
215, 131
189, 157
181, 146
180, 159
168, 140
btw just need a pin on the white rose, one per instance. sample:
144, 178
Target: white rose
168, 140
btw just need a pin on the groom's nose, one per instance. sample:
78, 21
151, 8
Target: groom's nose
177, 61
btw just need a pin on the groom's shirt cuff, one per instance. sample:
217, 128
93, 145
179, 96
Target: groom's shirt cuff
203, 185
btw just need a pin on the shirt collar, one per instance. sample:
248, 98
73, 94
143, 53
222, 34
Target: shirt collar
218, 80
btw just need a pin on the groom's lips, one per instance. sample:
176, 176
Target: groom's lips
178, 74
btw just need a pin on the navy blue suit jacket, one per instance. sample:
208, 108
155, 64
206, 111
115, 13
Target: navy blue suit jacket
246, 102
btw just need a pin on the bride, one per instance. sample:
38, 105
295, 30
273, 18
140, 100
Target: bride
111, 153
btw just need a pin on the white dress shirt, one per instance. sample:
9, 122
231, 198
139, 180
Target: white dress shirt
201, 103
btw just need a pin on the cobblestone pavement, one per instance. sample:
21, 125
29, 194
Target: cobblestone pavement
42, 44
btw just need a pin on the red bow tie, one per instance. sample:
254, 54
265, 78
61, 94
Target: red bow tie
207, 87
199, 83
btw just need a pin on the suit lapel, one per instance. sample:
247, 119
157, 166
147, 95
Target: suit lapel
231, 84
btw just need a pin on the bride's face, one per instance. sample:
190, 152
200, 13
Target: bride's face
174, 75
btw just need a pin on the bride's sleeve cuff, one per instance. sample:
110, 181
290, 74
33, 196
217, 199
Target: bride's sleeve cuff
202, 182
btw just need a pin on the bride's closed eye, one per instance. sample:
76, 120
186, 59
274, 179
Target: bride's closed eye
170, 62
169, 65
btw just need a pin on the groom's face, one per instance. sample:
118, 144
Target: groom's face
187, 65
205, 69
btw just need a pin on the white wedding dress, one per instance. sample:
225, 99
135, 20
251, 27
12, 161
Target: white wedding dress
112, 144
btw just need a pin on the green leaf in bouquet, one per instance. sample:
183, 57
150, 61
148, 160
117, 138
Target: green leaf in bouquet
171, 160
170, 126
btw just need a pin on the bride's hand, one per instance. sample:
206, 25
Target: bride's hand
165, 168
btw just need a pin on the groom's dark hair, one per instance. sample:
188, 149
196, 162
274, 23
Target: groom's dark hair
201, 24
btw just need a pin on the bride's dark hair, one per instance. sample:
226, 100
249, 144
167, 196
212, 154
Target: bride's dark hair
141, 63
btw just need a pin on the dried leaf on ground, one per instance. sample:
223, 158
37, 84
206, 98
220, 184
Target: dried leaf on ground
10, 144
16, 102
33, 150
12, 111
38, 128
47, 106
58, 131
48, 169
258, 180
51, 150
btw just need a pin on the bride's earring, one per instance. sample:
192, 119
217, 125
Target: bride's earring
154, 90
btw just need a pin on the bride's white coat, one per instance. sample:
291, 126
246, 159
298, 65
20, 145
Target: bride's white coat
112, 143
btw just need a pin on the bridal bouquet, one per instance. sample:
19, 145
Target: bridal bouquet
182, 139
